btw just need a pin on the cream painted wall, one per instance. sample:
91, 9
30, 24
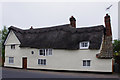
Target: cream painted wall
59, 60
11, 39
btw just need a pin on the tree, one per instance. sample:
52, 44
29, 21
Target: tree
0, 43
0, 39
116, 47
4, 34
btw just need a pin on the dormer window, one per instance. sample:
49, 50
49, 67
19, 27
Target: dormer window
12, 46
84, 45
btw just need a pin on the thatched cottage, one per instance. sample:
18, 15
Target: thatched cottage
62, 47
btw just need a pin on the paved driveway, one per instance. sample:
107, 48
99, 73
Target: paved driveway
21, 73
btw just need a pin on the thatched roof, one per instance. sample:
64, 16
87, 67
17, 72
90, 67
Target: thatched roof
60, 37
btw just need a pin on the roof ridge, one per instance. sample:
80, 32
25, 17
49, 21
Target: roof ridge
92, 26
60, 37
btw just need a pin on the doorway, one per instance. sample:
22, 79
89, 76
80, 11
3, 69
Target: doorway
24, 60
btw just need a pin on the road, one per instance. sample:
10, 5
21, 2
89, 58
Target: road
21, 73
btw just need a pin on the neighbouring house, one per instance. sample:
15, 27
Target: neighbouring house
62, 47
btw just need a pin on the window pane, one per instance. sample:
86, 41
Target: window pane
12, 46
82, 44
50, 51
47, 51
44, 52
11, 59
41, 52
88, 62
86, 44
44, 61
84, 63
38, 61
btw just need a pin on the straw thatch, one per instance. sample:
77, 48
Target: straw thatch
60, 37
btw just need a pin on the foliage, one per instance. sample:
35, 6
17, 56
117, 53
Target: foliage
116, 47
0, 39
4, 34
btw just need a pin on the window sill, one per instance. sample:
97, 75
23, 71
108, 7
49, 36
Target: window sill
84, 48
86, 66
41, 65
11, 63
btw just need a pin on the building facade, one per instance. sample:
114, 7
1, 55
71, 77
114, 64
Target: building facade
62, 47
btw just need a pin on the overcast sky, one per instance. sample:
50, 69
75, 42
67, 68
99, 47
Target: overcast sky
47, 14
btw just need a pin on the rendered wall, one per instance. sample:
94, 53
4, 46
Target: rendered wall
59, 60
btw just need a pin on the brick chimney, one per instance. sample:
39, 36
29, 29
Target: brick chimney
108, 25
72, 21
106, 51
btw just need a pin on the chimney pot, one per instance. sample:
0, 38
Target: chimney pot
31, 27
108, 25
72, 21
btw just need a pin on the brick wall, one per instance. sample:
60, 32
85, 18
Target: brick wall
107, 48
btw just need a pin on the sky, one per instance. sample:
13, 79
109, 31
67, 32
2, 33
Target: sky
51, 13
119, 20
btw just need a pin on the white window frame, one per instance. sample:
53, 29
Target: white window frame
86, 63
83, 43
40, 63
11, 60
47, 52
12, 46
50, 51
43, 52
